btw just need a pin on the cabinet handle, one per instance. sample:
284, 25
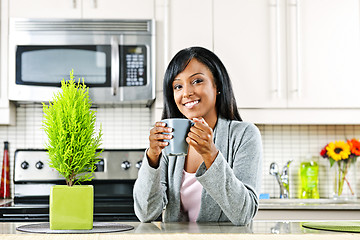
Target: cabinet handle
277, 16
298, 49
95, 3
115, 65
298, 88
278, 49
74, 3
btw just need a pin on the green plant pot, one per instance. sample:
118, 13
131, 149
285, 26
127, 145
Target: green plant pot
71, 207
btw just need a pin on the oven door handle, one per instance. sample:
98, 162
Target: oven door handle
115, 65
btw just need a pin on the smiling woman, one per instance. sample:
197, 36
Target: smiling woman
195, 92
219, 178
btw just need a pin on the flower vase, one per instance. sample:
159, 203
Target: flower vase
344, 172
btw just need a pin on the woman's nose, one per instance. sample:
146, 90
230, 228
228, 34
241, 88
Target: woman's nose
188, 90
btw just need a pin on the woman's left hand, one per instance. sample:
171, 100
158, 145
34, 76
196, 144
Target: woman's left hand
200, 138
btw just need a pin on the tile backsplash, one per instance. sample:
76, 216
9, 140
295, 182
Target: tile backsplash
301, 143
123, 128
128, 128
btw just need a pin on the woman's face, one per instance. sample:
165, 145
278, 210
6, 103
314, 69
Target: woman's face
195, 92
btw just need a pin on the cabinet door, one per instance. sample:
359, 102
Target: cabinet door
190, 24
116, 9
249, 37
7, 108
324, 54
45, 8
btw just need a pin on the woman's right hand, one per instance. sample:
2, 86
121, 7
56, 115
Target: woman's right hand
157, 143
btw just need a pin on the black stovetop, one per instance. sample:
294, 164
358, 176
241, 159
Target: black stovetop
31, 210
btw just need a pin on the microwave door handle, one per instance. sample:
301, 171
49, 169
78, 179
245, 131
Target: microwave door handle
115, 66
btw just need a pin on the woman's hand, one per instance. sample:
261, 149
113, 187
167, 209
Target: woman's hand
200, 138
157, 142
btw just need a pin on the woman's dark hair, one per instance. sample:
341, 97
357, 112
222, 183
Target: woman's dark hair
225, 101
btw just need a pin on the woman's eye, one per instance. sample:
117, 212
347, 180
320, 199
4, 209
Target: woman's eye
197, 81
177, 87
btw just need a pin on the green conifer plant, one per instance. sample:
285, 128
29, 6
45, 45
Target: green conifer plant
69, 124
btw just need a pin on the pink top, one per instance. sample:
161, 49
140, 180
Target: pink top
190, 195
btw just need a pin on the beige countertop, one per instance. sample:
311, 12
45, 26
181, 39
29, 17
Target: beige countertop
205, 231
324, 204
308, 209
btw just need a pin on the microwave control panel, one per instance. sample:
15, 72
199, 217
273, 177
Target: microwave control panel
135, 66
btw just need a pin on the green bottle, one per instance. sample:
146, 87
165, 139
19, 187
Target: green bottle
309, 180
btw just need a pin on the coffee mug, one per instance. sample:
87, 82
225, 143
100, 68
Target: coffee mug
177, 145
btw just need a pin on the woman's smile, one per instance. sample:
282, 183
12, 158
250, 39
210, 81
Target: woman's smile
191, 104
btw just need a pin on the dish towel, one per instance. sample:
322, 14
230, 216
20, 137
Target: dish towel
339, 226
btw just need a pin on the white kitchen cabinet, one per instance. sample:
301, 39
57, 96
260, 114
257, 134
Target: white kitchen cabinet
190, 24
329, 56
115, 9
290, 54
246, 40
125, 9
45, 8
7, 109
182, 24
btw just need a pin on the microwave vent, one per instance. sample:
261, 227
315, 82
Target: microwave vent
138, 26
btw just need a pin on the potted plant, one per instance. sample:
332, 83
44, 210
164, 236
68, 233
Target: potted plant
72, 147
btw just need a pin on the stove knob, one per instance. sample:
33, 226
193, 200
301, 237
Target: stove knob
138, 164
126, 165
24, 165
39, 165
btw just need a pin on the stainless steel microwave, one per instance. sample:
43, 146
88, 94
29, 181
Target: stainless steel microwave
116, 58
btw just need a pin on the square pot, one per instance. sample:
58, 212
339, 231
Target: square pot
71, 207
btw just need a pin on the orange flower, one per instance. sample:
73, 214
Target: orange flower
354, 146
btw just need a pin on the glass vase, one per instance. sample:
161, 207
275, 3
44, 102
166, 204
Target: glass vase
344, 176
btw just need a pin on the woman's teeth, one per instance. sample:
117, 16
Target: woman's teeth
191, 104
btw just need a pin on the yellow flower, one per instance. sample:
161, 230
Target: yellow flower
338, 150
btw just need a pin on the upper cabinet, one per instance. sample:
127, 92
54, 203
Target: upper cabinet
45, 8
7, 109
125, 9
249, 38
190, 24
290, 53
115, 9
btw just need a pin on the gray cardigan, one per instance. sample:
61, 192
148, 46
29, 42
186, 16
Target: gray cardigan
230, 185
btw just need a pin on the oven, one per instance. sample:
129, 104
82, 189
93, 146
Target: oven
113, 183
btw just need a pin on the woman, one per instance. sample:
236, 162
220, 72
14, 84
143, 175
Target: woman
218, 180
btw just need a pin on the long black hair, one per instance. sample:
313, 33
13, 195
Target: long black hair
225, 101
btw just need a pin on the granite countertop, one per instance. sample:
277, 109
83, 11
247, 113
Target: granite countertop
256, 227
323, 204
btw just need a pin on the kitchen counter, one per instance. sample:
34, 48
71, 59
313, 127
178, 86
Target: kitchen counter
308, 209
5, 201
317, 204
205, 231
